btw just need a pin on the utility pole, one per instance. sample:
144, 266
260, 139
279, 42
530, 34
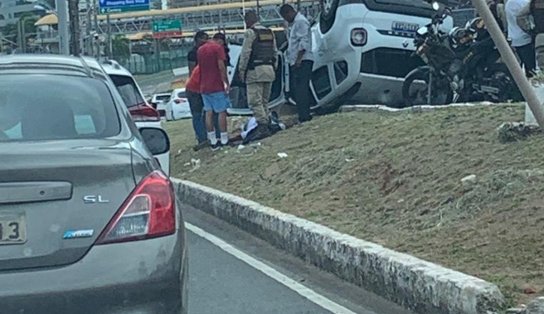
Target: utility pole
20, 35
510, 60
64, 32
73, 8
258, 10
95, 39
88, 23
110, 40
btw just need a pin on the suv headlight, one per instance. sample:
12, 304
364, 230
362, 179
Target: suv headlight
358, 36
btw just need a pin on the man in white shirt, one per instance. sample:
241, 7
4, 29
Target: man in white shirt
301, 60
537, 9
522, 41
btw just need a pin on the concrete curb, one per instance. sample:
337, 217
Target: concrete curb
413, 283
374, 108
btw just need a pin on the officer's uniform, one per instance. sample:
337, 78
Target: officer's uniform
258, 61
537, 9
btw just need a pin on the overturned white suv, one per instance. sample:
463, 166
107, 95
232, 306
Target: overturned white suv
363, 49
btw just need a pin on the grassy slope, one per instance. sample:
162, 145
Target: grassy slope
395, 179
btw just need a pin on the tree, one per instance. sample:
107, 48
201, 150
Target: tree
121, 48
11, 31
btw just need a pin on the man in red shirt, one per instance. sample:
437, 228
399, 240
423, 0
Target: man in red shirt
214, 86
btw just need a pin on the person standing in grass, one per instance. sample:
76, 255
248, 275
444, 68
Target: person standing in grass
214, 87
257, 68
193, 91
521, 40
537, 10
301, 60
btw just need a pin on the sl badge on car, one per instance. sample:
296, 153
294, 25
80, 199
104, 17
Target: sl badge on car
93, 199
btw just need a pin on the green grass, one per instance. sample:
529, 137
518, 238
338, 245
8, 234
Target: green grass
395, 179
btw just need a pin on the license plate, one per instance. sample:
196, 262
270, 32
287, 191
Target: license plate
404, 27
12, 229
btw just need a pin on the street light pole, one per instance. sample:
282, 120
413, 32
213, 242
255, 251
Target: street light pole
95, 22
110, 40
88, 42
64, 32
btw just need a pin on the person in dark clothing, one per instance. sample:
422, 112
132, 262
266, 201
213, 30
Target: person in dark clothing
195, 98
300, 57
537, 10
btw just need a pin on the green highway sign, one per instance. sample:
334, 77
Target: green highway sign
167, 28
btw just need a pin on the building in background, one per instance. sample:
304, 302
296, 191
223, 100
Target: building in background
11, 11
172, 4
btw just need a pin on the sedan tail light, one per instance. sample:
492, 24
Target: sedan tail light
148, 212
144, 112
358, 36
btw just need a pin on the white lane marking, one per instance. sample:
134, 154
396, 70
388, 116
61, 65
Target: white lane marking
271, 272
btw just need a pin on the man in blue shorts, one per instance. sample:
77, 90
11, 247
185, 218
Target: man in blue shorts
214, 87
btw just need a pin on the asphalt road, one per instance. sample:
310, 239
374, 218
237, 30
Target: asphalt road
232, 272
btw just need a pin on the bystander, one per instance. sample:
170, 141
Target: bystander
537, 9
256, 68
301, 60
192, 89
522, 41
214, 86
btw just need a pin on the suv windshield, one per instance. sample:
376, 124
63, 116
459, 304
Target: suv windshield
59, 107
128, 90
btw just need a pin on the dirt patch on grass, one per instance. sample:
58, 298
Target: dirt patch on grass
395, 179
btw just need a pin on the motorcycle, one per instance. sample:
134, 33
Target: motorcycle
461, 66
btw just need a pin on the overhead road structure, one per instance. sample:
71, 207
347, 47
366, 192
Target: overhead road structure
206, 17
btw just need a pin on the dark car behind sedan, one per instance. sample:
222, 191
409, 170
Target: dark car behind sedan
88, 221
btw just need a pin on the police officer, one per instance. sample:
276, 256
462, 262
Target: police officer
537, 9
257, 68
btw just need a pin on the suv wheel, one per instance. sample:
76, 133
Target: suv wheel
328, 14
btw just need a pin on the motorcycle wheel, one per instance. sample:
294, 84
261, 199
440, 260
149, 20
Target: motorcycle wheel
504, 81
415, 89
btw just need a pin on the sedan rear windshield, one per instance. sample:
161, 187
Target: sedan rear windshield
128, 89
54, 107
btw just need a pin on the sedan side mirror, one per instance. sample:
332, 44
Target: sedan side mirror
157, 140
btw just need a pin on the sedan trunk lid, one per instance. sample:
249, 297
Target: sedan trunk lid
57, 196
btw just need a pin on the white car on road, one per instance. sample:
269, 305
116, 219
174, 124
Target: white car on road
178, 106
143, 114
159, 101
